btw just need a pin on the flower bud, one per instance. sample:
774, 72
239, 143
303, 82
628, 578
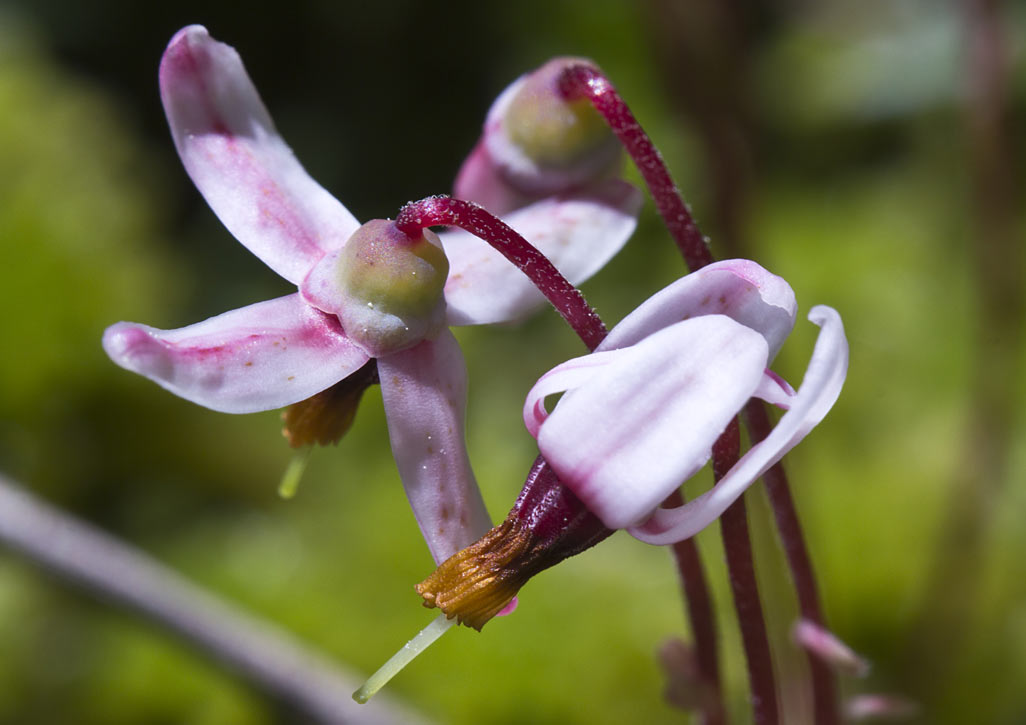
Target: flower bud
390, 287
543, 143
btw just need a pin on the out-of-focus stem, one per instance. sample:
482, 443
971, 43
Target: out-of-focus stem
997, 259
737, 546
826, 710
703, 622
585, 81
264, 655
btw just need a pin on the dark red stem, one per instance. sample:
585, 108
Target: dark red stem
703, 621
583, 81
567, 299
824, 689
564, 526
551, 510
587, 82
738, 548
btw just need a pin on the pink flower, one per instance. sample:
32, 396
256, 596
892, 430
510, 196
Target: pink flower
640, 415
363, 291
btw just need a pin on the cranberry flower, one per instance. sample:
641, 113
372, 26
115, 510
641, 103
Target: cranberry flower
364, 292
641, 414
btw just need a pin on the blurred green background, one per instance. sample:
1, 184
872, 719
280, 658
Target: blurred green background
832, 141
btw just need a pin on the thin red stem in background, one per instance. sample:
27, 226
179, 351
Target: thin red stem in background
567, 299
582, 81
738, 549
703, 621
824, 689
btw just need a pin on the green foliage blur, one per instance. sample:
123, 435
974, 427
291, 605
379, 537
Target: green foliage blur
859, 190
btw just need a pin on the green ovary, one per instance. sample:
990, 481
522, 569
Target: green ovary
393, 285
555, 133
405, 282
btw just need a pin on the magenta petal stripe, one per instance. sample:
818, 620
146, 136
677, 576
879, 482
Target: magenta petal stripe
246, 172
265, 356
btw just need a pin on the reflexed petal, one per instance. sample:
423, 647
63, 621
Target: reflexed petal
479, 178
480, 181
579, 233
260, 357
817, 394
737, 288
571, 374
425, 391
240, 164
647, 421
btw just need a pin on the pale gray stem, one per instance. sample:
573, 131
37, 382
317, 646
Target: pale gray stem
265, 655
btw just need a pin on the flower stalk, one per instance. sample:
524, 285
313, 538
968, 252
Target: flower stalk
586, 81
698, 600
741, 568
567, 299
824, 687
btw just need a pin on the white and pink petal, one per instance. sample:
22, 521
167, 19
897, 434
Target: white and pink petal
243, 168
818, 392
737, 288
646, 421
265, 356
579, 233
424, 389
480, 180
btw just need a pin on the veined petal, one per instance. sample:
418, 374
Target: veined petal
817, 394
647, 420
425, 391
579, 233
737, 288
240, 164
260, 357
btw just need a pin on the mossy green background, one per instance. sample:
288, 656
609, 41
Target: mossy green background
861, 202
